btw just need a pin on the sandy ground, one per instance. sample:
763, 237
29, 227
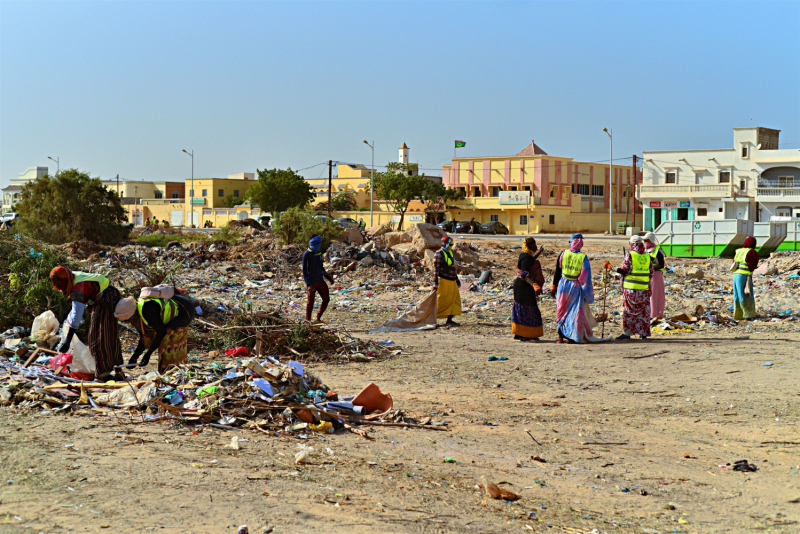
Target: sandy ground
624, 437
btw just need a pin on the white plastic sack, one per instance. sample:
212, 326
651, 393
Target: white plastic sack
124, 397
82, 361
45, 329
162, 291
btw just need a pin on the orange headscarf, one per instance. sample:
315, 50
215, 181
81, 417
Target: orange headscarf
62, 279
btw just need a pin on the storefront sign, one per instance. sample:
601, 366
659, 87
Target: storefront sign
655, 203
670, 203
415, 218
685, 203
514, 197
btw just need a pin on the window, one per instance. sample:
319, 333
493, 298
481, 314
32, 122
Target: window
476, 191
523, 219
670, 178
220, 193
744, 151
191, 192
566, 191
495, 191
783, 212
159, 194
702, 212
235, 193
580, 189
463, 190
552, 219
493, 218
526, 188
512, 188
597, 190
175, 194
205, 192
786, 181
553, 191
724, 177
742, 185
720, 210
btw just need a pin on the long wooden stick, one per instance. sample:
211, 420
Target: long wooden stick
409, 425
605, 292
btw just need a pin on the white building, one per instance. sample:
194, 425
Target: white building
753, 180
11, 193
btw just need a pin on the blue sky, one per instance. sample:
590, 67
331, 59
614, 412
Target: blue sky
122, 87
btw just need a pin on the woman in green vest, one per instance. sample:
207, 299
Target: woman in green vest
636, 271
95, 292
744, 263
162, 324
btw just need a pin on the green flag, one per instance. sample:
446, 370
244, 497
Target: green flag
461, 144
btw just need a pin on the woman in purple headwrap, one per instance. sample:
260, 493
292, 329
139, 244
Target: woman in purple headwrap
636, 271
573, 290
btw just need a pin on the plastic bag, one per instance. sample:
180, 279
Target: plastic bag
161, 291
82, 361
45, 329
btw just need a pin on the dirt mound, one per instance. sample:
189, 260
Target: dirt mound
83, 249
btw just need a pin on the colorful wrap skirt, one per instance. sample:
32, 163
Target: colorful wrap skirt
526, 321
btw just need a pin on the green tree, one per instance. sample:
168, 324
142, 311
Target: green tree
295, 226
344, 201
71, 206
398, 189
232, 201
435, 196
277, 190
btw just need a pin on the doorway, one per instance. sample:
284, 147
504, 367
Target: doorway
740, 212
656, 218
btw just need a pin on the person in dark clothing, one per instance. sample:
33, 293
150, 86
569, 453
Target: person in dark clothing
155, 319
313, 274
526, 319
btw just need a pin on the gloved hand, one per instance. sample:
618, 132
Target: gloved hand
553, 290
66, 342
621, 271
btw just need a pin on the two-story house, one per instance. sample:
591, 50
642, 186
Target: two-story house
753, 180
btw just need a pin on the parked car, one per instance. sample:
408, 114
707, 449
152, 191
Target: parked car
347, 222
464, 227
494, 227
448, 226
264, 220
9, 218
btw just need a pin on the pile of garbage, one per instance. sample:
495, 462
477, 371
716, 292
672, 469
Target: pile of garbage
403, 251
267, 395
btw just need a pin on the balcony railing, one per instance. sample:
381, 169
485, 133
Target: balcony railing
669, 190
162, 201
778, 192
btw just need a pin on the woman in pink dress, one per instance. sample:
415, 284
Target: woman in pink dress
657, 296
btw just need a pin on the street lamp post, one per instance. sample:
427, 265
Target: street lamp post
371, 182
610, 178
191, 193
58, 163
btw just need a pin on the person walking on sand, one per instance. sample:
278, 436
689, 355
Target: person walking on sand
636, 271
744, 263
573, 290
446, 282
526, 319
658, 296
313, 275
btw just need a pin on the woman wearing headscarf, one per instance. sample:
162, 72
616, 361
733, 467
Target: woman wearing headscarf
314, 274
636, 271
95, 292
573, 290
526, 319
446, 282
744, 263
657, 296
162, 324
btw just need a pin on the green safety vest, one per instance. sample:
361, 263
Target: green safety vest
91, 277
168, 312
741, 254
640, 272
571, 264
447, 258
654, 254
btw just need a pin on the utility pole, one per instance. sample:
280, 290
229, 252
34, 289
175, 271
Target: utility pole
330, 182
117, 184
634, 190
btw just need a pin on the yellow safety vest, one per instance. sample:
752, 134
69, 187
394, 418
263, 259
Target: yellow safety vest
640, 272
741, 254
448, 256
571, 264
91, 277
168, 312
654, 254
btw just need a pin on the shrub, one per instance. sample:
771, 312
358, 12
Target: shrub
25, 287
296, 226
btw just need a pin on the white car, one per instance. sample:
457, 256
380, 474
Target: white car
8, 217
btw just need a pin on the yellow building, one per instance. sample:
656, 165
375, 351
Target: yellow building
210, 203
564, 195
